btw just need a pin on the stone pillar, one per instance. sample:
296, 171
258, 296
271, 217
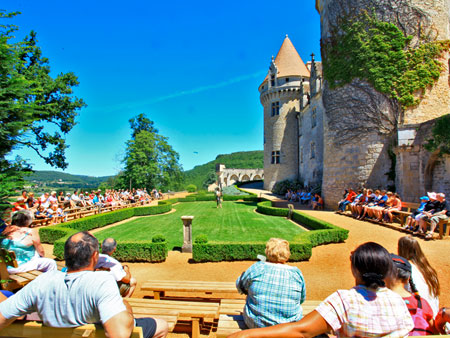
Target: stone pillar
187, 233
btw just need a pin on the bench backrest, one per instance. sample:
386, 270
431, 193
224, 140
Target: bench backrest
410, 205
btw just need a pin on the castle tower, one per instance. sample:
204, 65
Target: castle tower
279, 95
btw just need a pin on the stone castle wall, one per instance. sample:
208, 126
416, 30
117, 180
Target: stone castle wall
435, 102
280, 133
360, 124
311, 169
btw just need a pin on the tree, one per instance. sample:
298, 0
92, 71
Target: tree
150, 162
36, 110
440, 138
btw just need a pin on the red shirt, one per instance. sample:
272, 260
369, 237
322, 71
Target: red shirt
351, 196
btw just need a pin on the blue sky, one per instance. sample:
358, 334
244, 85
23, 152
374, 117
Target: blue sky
193, 67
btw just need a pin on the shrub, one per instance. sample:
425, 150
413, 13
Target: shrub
158, 238
217, 251
142, 251
169, 201
186, 199
266, 208
191, 188
233, 190
280, 188
201, 239
203, 197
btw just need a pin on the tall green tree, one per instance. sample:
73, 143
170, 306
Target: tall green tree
150, 161
36, 110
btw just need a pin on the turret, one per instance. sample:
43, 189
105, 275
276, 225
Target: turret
280, 97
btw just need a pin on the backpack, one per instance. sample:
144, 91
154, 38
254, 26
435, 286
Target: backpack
421, 326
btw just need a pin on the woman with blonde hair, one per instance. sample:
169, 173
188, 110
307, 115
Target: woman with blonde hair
275, 290
424, 275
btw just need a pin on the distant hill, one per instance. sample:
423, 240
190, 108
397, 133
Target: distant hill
204, 174
57, 179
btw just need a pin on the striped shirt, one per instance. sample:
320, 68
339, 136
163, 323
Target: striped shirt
360, 312
275, 293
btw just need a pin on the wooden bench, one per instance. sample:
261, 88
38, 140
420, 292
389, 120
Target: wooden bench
194, 317
37, 330
189, 289
407, 208
231, 319
13, 282
41, 222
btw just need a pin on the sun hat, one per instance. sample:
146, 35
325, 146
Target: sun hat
431, 195
401, 262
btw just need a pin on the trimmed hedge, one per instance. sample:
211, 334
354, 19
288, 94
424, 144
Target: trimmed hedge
216, 251
128, 251
142, 251
301, 246
266, 208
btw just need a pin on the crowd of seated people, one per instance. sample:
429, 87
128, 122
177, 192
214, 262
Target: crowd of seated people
303, 196
377, 205
391, 296
380, 205
54, 208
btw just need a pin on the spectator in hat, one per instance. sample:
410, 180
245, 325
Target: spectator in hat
427, 212
411, 219
440, 212
418, 307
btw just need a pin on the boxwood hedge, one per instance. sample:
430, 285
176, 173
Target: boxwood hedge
127, 251
301, 246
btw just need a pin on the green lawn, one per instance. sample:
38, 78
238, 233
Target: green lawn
235, 222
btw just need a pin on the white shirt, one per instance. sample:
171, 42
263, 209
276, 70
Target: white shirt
423, 289
114, 266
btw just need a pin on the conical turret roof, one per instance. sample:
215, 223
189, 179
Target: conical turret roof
288, 62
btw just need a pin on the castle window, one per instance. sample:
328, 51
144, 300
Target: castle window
276, 108
301, 155
287, 80
272, 80
276, 157
313, 150
313, 119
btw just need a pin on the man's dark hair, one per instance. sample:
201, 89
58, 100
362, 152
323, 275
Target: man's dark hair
78, 253
108, 245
